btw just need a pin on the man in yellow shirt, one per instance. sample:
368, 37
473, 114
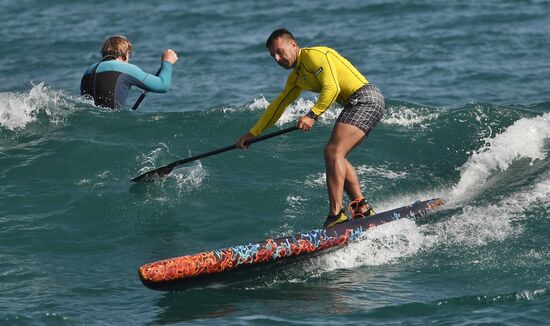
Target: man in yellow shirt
323, 70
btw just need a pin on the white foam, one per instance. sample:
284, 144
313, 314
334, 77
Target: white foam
530, 295
402, 116
380, 245
471, 227
104, 174
538, 194
17, 110
260, 103
296, 110
148, 160
190, 177
83, 181
379, 171
524, 139
294, 203
317, 180
409, 198
480, 225
97, 181
407, 117
474, 226
388, 243
186, 176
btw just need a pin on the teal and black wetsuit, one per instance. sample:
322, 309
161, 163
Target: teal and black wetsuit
108, 82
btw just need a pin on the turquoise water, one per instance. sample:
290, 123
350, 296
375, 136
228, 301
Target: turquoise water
468, 120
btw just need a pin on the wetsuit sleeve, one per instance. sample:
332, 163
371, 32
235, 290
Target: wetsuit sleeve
276, 109
160, 83
326, 74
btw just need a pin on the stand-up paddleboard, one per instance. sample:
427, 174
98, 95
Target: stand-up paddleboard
181, 273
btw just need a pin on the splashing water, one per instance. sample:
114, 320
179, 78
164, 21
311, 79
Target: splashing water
524, 139
298, 109
17, 110
407, 117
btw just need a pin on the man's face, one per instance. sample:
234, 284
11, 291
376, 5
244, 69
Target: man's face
284, 51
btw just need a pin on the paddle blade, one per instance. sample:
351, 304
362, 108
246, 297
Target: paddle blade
154, 174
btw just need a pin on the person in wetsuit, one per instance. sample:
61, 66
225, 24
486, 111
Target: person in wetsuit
109, 81
322, 70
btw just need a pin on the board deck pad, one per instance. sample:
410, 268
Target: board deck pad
201, 269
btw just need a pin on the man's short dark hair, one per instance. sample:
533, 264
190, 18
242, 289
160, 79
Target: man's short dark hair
276, 34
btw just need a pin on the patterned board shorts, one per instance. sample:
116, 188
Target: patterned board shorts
364, 108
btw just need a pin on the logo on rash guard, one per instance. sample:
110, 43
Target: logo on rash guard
318, 71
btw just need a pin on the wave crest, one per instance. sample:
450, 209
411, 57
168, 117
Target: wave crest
526, 138
17, 110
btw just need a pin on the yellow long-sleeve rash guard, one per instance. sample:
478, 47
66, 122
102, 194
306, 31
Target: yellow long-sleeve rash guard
318, 69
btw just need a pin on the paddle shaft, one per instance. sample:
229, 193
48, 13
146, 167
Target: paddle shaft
142, 96
167, 169
231, 147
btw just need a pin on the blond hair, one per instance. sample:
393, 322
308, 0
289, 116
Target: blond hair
117, 46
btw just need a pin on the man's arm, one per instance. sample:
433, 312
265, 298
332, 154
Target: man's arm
274, 111
326, 74
160, 83
150, 82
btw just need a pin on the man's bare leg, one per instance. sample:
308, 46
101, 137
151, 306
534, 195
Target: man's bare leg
339, 171
351, 184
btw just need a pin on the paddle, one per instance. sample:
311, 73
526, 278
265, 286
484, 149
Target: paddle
142, 96
167, 169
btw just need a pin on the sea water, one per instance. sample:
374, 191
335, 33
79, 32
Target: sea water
467, 120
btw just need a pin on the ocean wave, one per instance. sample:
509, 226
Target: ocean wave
294, 111
486, 299
477, 225
17, 110
406, 116
525, 139
259, 103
